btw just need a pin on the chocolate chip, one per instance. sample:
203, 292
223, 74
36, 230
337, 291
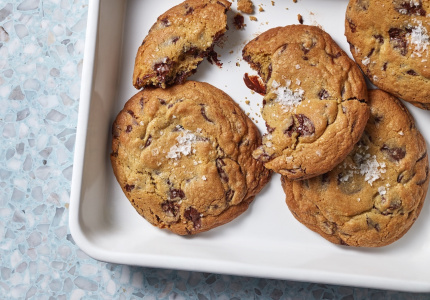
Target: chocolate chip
171, 208
370, 52
254, 83
352, 26
372, 224
165, 21
379, 38
307, 49
238, 21
305, 126
193, 215
325, 179
203, 113
178, 128
334, 56
394, 154
212, 57
129, 187
412, 73
398, 39
384, 67
163, 69
162, 101
269, 72
131, 113
189, 10
229, 195
148, 141
176, 194
141, 102
116, 131
129, 128
219, 166
409, 8
175, 39
269, 129
323, 94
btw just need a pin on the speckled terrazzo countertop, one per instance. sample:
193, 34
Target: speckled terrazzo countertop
41, 56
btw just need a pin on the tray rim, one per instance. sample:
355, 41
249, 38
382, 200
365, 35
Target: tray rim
84, 241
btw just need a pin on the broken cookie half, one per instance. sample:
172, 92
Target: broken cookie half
179, 41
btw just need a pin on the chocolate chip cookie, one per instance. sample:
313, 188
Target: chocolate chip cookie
393, 50
182, 156
315, 105
374, 196
179, 41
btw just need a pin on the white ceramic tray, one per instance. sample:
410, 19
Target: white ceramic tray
266, 241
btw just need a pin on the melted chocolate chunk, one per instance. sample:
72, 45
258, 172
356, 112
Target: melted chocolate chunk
176, 194
165, 21
203, 112
163, 69
129, 128
238, 21
398, 39
219, 166
372, 224
352, 26
148, 141
229, 195
394, 154
255, 83
323, 94
269, 129
193, 215
412, 73
171, 208
129, 187
305, 126
162, 101
212, 57
371, 52
409, 8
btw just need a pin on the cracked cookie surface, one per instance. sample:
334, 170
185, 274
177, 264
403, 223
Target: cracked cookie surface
182, 156
374, 196
180, 39
393, 50
315, 105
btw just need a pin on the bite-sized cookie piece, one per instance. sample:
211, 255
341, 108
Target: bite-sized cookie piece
245, 6
315, 104
374, 196
393, 50
180, 39
182, 156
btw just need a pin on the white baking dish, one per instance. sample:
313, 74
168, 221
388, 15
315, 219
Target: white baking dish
266, 241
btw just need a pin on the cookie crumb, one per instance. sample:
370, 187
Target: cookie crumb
247, 102
273, 3
300, 18
252, 18
238, 21
245, 6
295, 1
260, 9
238, 64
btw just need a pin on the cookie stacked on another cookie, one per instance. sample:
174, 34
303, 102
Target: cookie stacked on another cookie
180, 39
315, 105
374, 196
393, 50
182, 156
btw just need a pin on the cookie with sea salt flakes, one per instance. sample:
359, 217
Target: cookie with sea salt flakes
393, 50
179, 41
315, 104
182, 156
374, 196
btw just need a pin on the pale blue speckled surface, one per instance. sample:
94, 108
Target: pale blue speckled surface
41, 55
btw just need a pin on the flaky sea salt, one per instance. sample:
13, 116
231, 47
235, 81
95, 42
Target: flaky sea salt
297, 66
382, 191
366, 61
286, 96
371, 169
419, 39
183, 146
204, 177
